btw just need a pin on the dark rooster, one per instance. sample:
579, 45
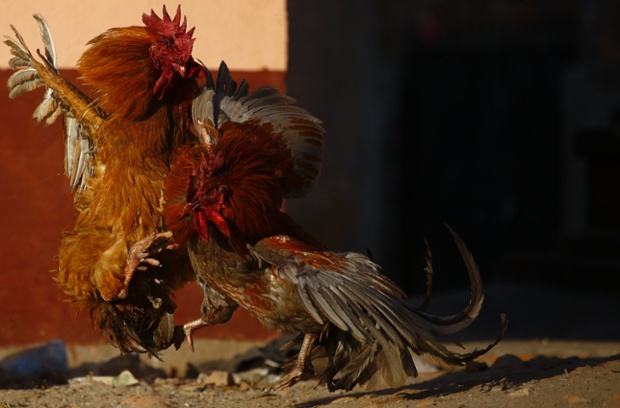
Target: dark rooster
224, 199
293, 140
116, 261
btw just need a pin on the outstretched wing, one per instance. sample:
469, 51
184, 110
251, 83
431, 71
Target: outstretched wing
81, 118
349, 291
303, 133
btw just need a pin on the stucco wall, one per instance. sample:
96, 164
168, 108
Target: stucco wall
35, 202
248, 35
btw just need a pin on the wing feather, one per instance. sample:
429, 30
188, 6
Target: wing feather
374, 334
60, 97
301, 132
48, 43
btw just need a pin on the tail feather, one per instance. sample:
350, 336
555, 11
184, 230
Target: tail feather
374, 334
457, 322
375, 366
353, 363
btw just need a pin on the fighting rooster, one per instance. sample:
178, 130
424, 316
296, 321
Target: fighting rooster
223, 201
116, 261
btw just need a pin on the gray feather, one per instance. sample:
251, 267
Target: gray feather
373, 334
48, 110
79, 147
23, 81
48, 43
300, 131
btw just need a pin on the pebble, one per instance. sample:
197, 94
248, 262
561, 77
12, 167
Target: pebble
523, 392
508, 361
124, 379
140, 401
387, 400
475, 366
343, 400
576, 399
217, 378
253, 376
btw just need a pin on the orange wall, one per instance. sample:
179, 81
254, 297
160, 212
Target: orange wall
35, 206
35, 202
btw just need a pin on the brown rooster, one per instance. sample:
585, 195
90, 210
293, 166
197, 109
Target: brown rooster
293, 140
116, 261
224, 199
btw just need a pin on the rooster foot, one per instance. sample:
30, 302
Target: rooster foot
139, 253
189, 329
288, 380
299, 369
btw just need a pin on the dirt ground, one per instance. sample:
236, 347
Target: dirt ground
531, 367
519, 374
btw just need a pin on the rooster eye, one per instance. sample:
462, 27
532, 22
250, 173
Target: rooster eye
163, 49
224, 193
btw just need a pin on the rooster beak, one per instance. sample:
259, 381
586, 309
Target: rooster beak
180, 69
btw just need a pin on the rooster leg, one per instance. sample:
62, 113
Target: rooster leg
189, 329
300, 365
138, 254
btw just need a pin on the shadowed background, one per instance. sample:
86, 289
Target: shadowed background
499, 118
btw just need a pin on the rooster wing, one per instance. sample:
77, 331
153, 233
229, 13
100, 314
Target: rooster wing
359, 320
116, 166
60, 98
300, 133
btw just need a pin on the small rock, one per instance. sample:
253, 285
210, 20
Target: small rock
141, 401
508, 361
475, 366
217, 378
252, 376
576, 399
523, 392
388, 400
427, 402
343, 400
501, 385
124, 379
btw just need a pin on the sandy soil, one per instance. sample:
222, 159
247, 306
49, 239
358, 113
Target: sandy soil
515, 374
529, 368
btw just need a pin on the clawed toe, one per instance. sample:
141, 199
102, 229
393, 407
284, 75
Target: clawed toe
288, 380
139, 253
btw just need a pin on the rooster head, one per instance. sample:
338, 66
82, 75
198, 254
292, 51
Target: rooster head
233, 185
171, 51
207, 195
227, 183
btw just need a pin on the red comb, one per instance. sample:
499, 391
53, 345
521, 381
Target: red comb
167, 26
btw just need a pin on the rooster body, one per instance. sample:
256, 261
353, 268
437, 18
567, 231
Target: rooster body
118, 152
224, 201
282, 144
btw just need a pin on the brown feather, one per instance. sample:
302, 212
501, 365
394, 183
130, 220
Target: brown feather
134, 129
